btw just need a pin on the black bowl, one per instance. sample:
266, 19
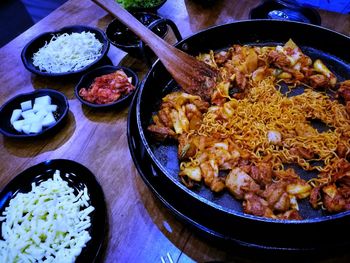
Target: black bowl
121, 37
89, 77
285, 10
34, 45
58, 99
78, 177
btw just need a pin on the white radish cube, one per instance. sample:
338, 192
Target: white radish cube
26, 105
18, 125
38, 107
130, 79
36, 127
26, 128
16, 114
51, 107
36, 118
48, 120
44, 100
28, 114
42, 113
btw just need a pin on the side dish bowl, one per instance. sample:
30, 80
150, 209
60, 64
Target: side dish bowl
78, 177
121, 37
87, 79
6, 110
38, 42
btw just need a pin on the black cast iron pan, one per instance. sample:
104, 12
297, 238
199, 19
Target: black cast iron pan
222, 212
199, 221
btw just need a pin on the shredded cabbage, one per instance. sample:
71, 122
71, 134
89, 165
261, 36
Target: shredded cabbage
47, 224
68, 52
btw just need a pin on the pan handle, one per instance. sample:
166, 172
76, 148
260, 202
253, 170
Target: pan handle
155, 23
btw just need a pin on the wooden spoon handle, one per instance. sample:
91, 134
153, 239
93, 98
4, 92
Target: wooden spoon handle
157, 44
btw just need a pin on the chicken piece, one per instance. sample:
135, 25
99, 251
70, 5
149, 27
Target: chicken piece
239, 183
222, 57
161, 132
277, 196
201, 105
210, 173
290, 215
315, 197
335, 195
278, 59
302, 152
262, 173
164, 117
347, 107
344, 90
333, 201
288, 174
187, 146
342, 150
256, 205
319, 81
241, 80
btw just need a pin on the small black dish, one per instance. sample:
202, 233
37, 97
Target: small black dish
34, 45
121, 37
284, 10
78, 177
89, 77
152, 9
57, 98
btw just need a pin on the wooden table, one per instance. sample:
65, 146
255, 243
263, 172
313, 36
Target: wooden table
141, 228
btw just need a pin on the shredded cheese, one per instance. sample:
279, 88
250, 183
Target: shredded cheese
47, 224
68, 52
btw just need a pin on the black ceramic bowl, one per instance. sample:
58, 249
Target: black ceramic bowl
153, 8
89, 77
34, 45
285, 10
78, 177
121, 37
57, 98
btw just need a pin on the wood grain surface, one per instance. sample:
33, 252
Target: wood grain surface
141, 229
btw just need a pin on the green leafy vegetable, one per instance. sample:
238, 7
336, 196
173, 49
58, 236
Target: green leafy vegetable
139, 3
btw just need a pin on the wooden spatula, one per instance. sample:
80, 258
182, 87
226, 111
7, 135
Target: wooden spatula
193, 76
